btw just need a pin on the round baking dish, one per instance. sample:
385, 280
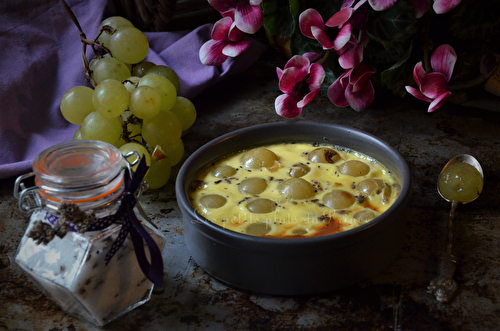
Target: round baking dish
302, 265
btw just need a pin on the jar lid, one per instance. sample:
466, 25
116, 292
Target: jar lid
78, 163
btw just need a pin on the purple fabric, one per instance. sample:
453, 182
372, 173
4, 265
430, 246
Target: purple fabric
41, 58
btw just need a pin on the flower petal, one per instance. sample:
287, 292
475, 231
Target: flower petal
439, 101
443, 60
444, 6
235, 34
298, 61
235, 49
360, 74
222, 6
310, 56
291, 76
307, 98
279, 72
336, 94
419, 73
248, 18
434, 84
417, 94
221, 28
359, 4
421, 7
320, 35
286, 106
379, 5
211, 52
316, 76
351, 57
343, 37
340, 17
348, 3
361, 99
309, 18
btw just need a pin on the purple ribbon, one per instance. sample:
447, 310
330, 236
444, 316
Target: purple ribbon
130, 224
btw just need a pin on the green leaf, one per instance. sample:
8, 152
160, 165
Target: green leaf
476, 20
277, 18
400, 74
393, 28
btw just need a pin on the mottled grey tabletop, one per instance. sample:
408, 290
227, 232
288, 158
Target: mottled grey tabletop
396, 299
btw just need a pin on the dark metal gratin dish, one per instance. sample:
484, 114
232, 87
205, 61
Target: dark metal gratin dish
294, 266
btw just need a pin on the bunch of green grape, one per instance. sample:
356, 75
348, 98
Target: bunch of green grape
134, 104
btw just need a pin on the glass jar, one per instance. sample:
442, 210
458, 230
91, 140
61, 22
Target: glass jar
82, 267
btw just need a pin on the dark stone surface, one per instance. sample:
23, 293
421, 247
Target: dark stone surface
394, 300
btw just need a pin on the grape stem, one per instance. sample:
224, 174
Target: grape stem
93, 43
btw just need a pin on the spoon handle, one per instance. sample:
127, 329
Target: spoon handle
444, 287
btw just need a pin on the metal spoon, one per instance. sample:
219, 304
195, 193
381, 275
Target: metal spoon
444, 287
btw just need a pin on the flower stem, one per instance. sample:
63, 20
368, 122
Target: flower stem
471, 83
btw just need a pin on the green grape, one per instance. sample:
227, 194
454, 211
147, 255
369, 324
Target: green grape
135, 147
145, 102
78, 134
110, 68
159, 173
110, 98
166, 72
163, 129
140, 69
131, 83
97, 127
174, 151
129, 44
166, 89
185, 110
120, 142
114, 22
76, 104
93, 62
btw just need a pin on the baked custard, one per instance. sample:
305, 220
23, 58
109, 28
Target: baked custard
294, 190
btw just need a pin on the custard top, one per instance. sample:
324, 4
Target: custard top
293, 190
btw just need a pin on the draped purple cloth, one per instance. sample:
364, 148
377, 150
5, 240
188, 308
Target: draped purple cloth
41, 58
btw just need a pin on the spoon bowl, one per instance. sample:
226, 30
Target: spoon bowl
461, 179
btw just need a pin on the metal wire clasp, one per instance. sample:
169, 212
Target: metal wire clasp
28, 198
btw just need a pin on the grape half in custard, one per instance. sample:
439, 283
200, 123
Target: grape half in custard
354, 168
339, 199
223, 171
213, 201
261, 206
299, 170
258, 158
365, 215
296, 189
252, 185
258, 229
323, 155
373, 186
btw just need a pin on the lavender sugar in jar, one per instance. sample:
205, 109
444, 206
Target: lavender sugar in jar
84, 247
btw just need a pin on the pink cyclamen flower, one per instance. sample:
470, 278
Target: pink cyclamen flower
300, 81
246, 14
353, 88
227, 41
433, 87
334, 34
